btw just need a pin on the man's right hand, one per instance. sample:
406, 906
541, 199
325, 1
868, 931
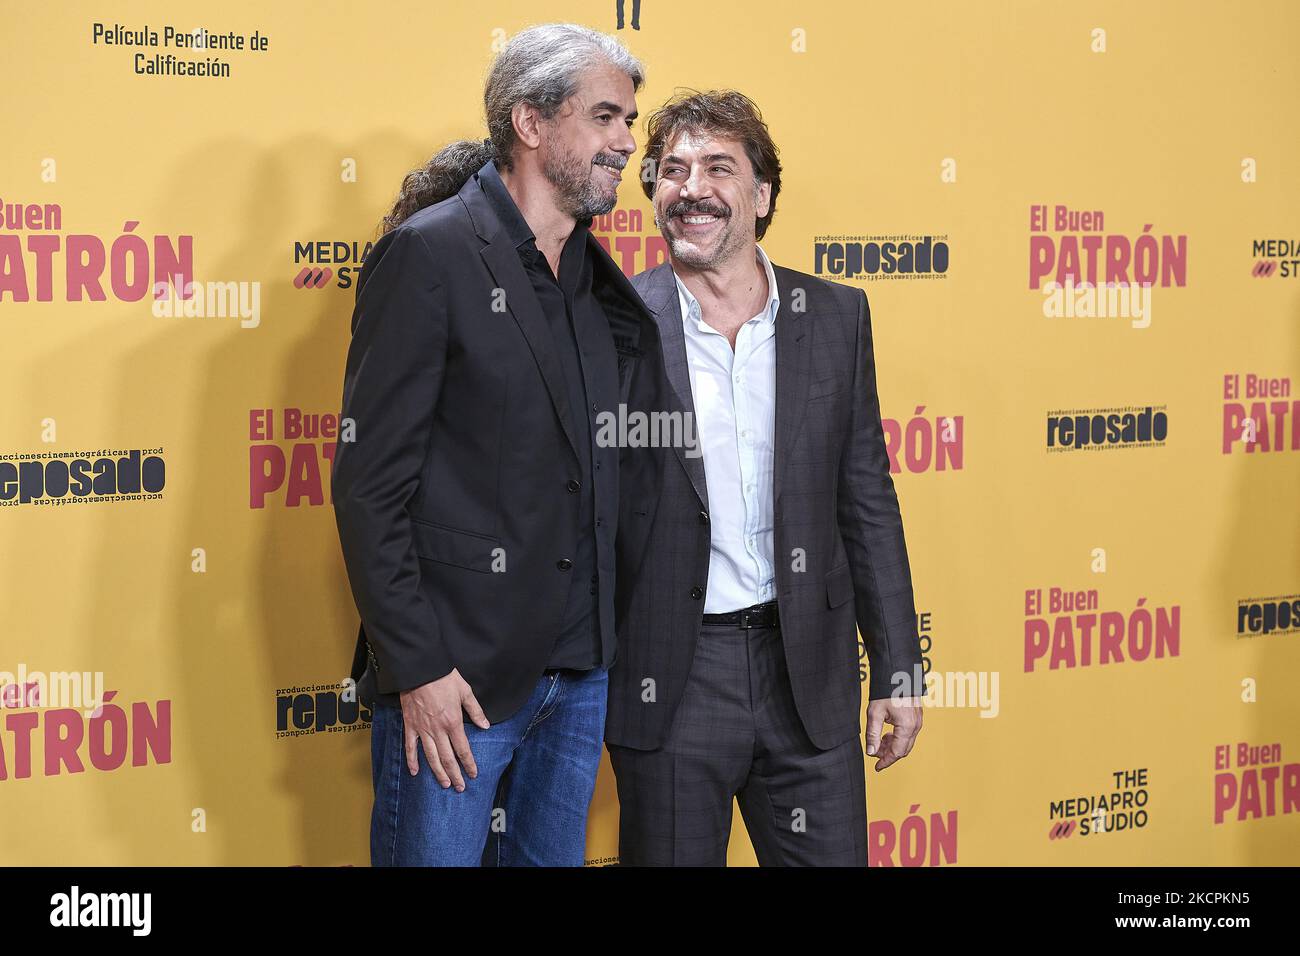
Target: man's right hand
431, 716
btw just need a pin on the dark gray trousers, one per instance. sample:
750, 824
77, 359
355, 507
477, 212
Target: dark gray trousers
736, 734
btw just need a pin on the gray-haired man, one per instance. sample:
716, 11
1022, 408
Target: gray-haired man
477, 512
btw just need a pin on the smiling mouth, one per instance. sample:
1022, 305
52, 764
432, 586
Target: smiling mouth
698, 221
616, 174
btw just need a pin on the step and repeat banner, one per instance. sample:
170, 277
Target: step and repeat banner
1078, 226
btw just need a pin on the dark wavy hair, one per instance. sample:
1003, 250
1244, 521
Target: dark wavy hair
541, 66
724, 113
442, 176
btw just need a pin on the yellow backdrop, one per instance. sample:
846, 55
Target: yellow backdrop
1101, 492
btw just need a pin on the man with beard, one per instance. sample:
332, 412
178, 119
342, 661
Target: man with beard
738, 664
476, 512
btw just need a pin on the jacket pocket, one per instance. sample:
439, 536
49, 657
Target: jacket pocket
839, 585
464, 549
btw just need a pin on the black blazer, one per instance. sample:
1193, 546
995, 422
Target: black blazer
452, 503
834, 499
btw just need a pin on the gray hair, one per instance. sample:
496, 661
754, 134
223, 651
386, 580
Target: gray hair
541, 66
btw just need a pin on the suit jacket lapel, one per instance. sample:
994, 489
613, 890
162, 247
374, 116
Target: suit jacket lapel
793, 361
663, 302
502, 260
793, 357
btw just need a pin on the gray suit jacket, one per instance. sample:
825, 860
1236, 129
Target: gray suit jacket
835, 508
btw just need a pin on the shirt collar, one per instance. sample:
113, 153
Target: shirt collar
690, 305
512, 220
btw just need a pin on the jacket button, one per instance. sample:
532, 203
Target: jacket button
573, 485
697, 593
704, 517
564, 564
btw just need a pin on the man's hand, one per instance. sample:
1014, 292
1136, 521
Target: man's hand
904, 713
431, 715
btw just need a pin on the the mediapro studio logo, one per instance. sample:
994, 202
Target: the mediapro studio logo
1092, 813
1275, 257
321, 263
872, 258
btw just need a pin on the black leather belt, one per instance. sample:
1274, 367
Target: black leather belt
759, 615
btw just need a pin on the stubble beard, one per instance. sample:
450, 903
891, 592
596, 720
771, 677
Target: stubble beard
574, 182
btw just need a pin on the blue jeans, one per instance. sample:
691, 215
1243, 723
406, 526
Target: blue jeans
527, 806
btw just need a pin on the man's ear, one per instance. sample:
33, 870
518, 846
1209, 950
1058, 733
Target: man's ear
527, 122
763, 201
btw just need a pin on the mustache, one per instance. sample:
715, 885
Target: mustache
701, 208
613, 160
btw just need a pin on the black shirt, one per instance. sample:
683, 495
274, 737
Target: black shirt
585, 349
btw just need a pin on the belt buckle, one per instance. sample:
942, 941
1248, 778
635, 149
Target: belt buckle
749, 618
765, 615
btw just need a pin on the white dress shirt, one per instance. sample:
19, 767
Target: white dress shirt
735, 419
